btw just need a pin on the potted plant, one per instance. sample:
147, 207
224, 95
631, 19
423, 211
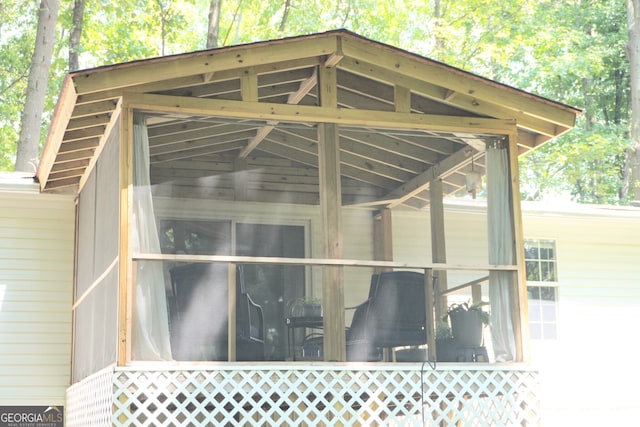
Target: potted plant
467, 322
306, 307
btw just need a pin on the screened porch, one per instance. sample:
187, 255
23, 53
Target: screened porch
221, 192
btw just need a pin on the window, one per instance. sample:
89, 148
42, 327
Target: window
542, 277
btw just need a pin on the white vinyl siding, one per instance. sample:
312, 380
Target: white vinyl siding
598, 253
36, 281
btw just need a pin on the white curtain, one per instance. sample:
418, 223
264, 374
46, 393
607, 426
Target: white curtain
500, 229
150, 318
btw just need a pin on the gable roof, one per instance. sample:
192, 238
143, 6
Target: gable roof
404, 118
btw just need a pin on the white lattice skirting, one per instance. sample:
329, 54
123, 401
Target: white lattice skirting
307, 395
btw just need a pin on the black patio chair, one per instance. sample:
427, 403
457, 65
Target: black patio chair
392, 316
199, 321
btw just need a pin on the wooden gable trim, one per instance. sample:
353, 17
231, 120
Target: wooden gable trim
61, 117
203, 63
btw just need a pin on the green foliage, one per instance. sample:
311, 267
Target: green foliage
585, 166
468, 306
17, 35
572, 51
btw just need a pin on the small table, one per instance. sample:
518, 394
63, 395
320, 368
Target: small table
293, 323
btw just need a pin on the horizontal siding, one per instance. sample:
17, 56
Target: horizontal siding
31, 393
358, 244
36, 282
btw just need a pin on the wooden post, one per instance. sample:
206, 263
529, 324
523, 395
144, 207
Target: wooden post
382, 238
438, 244
125, 279
519, 309
330, 205
231, 328
331, 211
430, 324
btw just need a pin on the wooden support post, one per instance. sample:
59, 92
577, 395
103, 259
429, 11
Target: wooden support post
126, 276
231, 328
430, 324
519, 309
330, 205
331, 210
438, 244
382, 238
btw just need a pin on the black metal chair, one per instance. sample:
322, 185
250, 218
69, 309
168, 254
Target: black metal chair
199, 320
392, 316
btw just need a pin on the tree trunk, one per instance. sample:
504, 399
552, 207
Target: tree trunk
76, 32
285, 15
633, 51
437, 15
214, 23
29, 142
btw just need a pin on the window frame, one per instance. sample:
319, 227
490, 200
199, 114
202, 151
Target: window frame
543, 318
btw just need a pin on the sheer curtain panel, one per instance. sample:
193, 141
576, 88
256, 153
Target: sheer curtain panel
501, 251
150, 317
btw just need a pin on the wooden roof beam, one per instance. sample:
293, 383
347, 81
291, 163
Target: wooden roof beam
315, 114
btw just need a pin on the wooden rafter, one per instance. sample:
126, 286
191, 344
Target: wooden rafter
421, 182
305, 87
